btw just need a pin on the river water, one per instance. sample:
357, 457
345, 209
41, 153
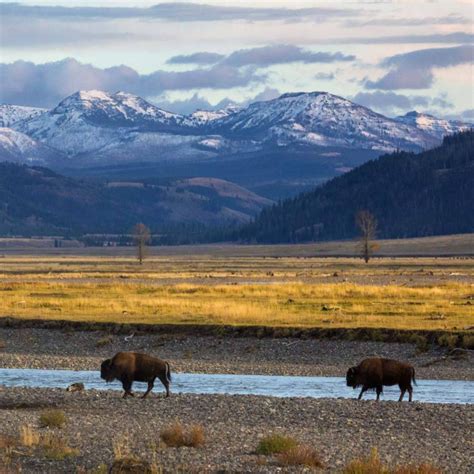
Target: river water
433, 391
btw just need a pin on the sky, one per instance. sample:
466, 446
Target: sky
392, 56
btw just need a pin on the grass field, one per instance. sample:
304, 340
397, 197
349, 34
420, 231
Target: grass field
395, 293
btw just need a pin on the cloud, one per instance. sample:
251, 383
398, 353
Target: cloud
25, 83
414, 70
391, 103
388, 100
456, 37
281, 54
198, 102
452, 19
196, 58
179, 12
325, 76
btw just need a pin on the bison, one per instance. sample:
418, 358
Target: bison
129, 367
375, 372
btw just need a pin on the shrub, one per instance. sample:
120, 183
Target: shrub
421, 342
468, 341
52, 419
104, 341
57, 448
176, 436
275, 444
131, 465
373, 465
448, 340
300, 456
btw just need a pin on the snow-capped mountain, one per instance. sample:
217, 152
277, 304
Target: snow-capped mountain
91, 121
10, 114
434, 126
320, 118
20, 148
98, 128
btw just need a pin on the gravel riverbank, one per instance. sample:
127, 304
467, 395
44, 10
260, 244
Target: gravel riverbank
54, 349
339, 430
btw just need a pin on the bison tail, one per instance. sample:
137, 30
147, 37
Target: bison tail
413, 376
168, 373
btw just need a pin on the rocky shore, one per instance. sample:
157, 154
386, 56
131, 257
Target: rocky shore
101, 426
54, 349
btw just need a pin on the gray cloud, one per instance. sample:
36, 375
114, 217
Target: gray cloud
180, 12
281, 54
197, 102
325, 76
196, 58
457, 37
25, 83
414, 70
391, 103
420, 21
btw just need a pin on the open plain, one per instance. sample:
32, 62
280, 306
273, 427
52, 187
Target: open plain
180, 306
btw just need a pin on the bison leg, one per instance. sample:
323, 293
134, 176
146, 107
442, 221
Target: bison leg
166, 384
402, 393
362, 392
150, 387
379, 391
410, 393
127, 386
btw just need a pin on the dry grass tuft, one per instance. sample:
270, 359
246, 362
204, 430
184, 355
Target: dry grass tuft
29, 437
104, 341
132, 465
3, 344
300, 456
52, 419
372, 464
176, 435
57, 448
275, 444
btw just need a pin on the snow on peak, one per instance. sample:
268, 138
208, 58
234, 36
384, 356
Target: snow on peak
10, 114
434, 126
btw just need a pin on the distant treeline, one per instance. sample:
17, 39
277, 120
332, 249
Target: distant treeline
410, 195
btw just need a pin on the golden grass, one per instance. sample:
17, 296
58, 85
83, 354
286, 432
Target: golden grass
329, 305
403, 293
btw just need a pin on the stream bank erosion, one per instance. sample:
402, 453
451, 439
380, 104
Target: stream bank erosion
26, 347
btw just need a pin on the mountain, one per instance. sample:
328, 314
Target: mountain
436, 127
38, 201
410, 195
17, 147
275, 148
10, 114
322, 119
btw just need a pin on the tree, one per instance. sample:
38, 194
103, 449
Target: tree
141, 237
367, 225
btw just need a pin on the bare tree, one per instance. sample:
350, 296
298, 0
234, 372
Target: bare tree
367, 225
141, 237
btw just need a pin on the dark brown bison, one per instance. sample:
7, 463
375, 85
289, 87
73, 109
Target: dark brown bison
375, 372
129, 367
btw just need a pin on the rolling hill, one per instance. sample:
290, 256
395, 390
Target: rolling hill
38, 201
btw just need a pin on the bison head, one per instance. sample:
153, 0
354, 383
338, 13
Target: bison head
351, 377
106, 371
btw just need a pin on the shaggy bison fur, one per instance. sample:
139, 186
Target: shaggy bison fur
375, 372
129, 367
